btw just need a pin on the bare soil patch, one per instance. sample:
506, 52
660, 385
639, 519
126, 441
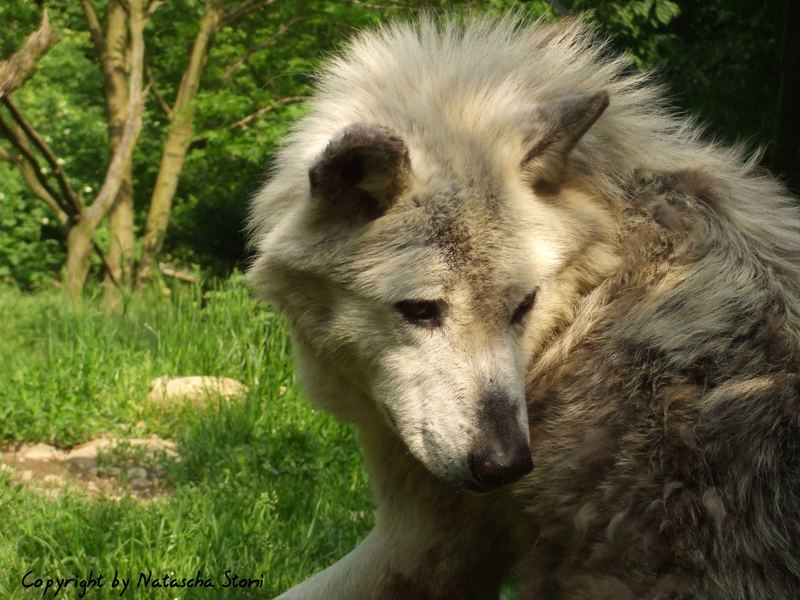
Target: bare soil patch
105, 467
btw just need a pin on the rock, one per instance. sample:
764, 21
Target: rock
90, 449
137, 473
141, 484
195, 390
84, 456
53, 480
39, 452
155, 444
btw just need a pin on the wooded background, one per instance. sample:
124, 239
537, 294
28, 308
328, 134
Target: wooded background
132, 132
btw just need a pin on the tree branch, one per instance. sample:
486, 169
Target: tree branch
38, 141
243, 9
185, 276
21, 64
126, 6
395, 5
162, 102
21, 145
31, 177
153, 7
95, 30
242, 123
233, 67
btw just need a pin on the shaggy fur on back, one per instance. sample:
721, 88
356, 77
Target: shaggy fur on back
663, 376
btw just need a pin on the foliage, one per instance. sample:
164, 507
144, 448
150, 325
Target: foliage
719, 58
29, 247
19, 19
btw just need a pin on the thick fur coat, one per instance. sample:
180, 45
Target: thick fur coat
492, 236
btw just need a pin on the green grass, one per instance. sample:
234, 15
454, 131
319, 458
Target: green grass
266, 486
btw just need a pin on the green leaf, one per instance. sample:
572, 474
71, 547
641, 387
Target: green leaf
666, 11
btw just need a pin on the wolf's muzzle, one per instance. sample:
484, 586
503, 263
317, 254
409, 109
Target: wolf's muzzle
501, 455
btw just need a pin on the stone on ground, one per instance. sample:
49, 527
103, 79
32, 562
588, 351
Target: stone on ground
194, 390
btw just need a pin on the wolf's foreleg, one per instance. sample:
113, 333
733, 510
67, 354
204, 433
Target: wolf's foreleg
430, 540
366, 573
404, 562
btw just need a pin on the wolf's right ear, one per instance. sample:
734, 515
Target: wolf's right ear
361, 172
554, 130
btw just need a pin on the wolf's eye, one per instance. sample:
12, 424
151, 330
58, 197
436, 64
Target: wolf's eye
524, 308
424, 313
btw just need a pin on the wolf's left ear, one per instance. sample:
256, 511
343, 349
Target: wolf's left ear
361, 172
555, 128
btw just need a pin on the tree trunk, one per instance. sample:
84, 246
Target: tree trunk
79, 250
176, 146
121, 243
120, 251
79, 240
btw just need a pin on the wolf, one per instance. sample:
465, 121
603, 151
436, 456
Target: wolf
566, 327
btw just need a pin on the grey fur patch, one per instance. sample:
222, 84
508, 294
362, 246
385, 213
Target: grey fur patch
697, 184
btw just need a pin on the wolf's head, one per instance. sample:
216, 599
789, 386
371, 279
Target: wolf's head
420, 278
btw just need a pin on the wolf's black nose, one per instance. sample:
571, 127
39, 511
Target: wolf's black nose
501, 454
496, 464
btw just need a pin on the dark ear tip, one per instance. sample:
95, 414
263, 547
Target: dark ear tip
585, 112
558, 126
601, 100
